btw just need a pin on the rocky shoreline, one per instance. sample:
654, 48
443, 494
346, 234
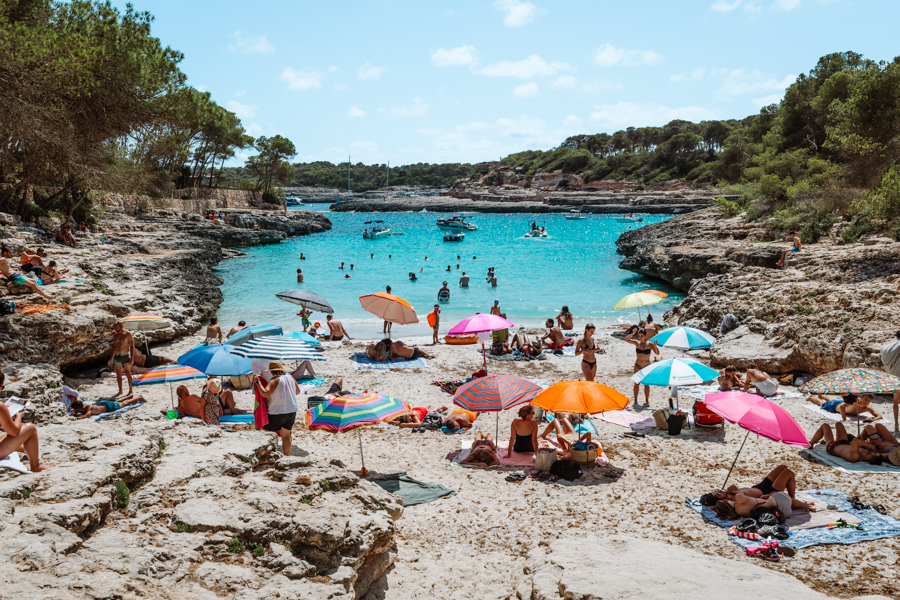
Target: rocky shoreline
832, 306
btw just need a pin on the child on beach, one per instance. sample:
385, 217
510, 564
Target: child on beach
437, 322
304, 315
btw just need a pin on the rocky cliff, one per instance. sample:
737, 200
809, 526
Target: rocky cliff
832, 306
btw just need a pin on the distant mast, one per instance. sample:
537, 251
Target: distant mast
348, 177
388, 185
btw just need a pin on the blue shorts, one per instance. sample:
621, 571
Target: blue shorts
832, 405
109, 405
795, 249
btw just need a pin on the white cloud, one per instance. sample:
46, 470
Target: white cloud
785, 4
474, 126
521, 127
418, 109
370, 71
694, 75
356, 112
608, 55
572, 122
525, 90
364, 146
302, 80
625, 114
767, 100
527, 68
518, 13
243, 111
461, 56
250, 44
740, 81
254, 129
566, 82
725, 6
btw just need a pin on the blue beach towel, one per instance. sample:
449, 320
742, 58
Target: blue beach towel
875, 526
312, 381
248, 418
361, 361
115, 414
582, 428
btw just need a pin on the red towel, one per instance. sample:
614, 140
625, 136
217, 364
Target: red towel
260, 410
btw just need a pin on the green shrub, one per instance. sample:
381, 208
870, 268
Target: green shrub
271, 198
184, 528
859, 226
732, 207
817, 226
123, 494
885, 201
895, 233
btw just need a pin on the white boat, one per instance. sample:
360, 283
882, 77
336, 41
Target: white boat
456, 236
537, 233
292, 201
455, 223
575, 216
377, 232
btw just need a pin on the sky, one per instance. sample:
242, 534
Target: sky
469, 81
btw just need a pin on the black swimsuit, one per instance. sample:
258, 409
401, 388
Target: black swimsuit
523, 443
593, 347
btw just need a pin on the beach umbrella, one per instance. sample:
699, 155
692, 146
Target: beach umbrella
217, 361
253, 332
144, 322
637, 300
168, 374
683, 338
480, 324
675, 371
494, 393
389, 308
278, 347
757, 415
354, 411
656, 292
306, 299
303, 337
580, 397
852, 381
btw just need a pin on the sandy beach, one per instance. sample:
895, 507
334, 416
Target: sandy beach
476, 544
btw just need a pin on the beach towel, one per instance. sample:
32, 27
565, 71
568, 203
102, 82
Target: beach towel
625, 418
818, 453
582, 428
836, 416
14, 463
312, 381
36, 309
362, 362
803, 535
247, 418
448, 386
514, 356
260, 408
516, 459
117, 413
411, 490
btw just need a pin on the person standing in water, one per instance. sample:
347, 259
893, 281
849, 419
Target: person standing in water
586, 348
444, 293
642, 349
386, 328
564, 319
495, 309
299, 276
464, 280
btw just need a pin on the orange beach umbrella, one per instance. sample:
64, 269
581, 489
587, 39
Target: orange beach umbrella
655, 293
390, 308
580, 397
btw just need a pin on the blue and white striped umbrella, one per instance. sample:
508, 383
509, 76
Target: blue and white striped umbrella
675, 371
683, 338
278, 347
253, 332
216, 361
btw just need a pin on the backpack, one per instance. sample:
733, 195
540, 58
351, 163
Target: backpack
433, 420
566, 469
497, 349
7, 307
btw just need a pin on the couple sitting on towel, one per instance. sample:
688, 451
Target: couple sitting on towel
775, 491
524, 436
387, 349
874, 445
758, 380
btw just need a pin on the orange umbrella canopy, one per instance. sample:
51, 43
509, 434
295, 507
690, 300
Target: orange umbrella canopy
390, 308
580, 397
655, 293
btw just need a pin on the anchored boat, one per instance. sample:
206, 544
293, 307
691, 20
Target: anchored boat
455, 223
377, 232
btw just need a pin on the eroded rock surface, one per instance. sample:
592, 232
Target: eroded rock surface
832, 306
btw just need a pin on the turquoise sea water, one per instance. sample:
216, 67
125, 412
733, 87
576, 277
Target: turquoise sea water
576, 266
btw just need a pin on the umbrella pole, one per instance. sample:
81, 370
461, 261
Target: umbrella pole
497, 428
361, 457
484, 357
735, 458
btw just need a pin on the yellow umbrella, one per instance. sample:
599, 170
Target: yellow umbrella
637, 301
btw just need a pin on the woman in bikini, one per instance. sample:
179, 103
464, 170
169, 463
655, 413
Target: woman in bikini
564, 319
642, 348
586, 348
523, 436
378, 352
483, 453
408, 352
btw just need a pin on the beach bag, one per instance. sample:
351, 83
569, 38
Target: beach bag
497, 349
661, 417
242, 383
7, 307
544, 459
433, 420
314, 401
566, 469
584, 458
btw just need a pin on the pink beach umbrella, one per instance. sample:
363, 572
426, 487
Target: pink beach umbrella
481, 324
756, 415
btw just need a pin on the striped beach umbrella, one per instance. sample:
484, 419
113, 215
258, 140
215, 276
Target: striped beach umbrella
389, 308
278, 347
217, 361
683, 338
494, 393
354, 411
253, 332
144, 322
675, 371
168, 374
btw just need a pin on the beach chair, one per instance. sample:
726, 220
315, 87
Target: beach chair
703, 417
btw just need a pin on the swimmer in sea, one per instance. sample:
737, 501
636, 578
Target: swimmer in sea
348, 276
342, 266
302, 257
448, 268
371, 256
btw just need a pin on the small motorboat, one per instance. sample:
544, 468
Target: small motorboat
293, 202
629, 218
575, 216
377, 232
455, 223
456, 236
537, 233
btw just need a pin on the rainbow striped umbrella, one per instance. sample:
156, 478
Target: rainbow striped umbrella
494, 393
144, 322
353, 411
168, 374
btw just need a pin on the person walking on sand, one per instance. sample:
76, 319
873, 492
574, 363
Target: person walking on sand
464, 280
281, 402
19, 437
336, 330
642, 350
437, 323
122, 354
795, 248
386, 328
586, 348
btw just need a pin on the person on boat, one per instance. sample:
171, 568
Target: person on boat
586, 348
533, 225
642, 350
564, 319
444, 293
556, 337
464, 280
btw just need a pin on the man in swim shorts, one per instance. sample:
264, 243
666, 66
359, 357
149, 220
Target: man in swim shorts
847, 447
336, 328
848, 405
16, 277
464, 280
437, 324
460, 419
122, 354
83, 411
795, 248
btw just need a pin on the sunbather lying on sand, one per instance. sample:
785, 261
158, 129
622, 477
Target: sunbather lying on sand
849, 405
83, 411
408, 352
879, 436
412, 419
845, 446
19, 437
460, 419
750, 506
781, 479
483, 453
144, 362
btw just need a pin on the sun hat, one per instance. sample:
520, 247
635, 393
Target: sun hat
214, 386
276, 366
894, 457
